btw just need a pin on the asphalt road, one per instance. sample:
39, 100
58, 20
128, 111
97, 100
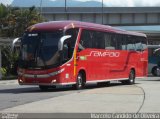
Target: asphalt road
13, 94
147, 90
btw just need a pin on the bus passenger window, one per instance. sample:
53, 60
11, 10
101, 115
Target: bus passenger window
138, 44
144, 43
120, 42
80, 46
98, 40
108, 42
123, 42
86, 40
71, 41
130, 43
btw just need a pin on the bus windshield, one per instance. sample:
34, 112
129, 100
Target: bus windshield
40, 49
153, 59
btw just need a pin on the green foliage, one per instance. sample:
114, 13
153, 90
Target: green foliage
9, 60
14, 21
3, 11
3, 71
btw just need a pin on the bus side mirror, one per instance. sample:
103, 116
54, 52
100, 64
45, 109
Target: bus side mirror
156, 50
61, 42
15, 42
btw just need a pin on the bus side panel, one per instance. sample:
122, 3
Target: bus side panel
91, 64
118, 64
142, 68
121, 66
68, 75
145, 62
98, 62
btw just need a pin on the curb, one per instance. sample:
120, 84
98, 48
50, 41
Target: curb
8, 82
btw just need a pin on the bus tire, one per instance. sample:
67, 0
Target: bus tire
154, 71
131, 78
43, 88
80, 81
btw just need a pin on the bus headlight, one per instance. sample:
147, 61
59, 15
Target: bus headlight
54, 81
21, 81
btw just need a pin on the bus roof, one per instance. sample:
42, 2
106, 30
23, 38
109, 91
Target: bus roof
53, 25
153, 46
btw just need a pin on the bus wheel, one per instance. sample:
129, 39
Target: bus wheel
80, 82
131, 78
154, 71
43, 88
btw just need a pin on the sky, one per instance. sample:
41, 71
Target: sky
115, 3
6, 1
129, 3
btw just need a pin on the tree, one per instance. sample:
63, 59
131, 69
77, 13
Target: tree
14, 21
3, 14
9, 60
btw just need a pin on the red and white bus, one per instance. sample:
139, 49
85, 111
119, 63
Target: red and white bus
76, 53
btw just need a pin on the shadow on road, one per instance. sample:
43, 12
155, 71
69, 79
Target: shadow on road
20, 90
60, 89
31, 90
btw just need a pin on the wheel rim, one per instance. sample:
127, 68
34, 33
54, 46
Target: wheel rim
79, 81
155, 72
131, 77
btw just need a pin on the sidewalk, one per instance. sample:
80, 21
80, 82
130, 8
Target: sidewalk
120, 99
8, 82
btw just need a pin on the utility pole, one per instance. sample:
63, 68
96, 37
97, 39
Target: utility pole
102, 11
40, 9
66, 9
65, 5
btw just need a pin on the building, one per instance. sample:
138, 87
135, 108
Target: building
129, 18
